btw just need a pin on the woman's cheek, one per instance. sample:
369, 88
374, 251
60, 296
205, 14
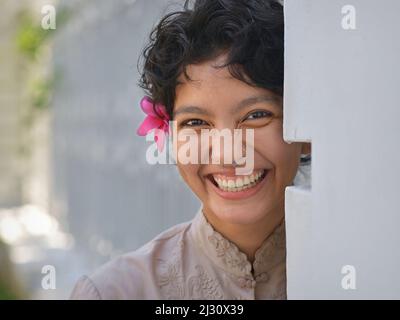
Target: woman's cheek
284, 157
190, 174
187, 155
268, 141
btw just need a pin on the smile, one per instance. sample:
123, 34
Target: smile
238, 183
238, 186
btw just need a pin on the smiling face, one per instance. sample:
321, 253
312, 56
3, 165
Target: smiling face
217, 100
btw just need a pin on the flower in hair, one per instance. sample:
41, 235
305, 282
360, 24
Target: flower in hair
157, 119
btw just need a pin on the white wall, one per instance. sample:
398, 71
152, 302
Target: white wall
341, 93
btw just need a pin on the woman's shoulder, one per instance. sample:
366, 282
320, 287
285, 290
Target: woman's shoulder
131, 275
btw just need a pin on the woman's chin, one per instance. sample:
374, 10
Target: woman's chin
238, 213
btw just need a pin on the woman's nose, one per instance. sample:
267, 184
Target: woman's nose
225, 145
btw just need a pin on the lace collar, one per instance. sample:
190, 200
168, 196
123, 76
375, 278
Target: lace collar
228, 256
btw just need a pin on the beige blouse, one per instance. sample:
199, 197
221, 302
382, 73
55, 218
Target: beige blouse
191, 260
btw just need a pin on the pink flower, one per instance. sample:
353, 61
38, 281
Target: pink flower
158, 121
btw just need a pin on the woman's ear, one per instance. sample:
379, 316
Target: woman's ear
306, 148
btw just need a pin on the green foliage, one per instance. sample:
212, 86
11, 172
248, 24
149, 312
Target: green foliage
41, 93
6, 294
30, 35
30, 39
9, 286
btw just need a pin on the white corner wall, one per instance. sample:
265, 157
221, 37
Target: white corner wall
341, 93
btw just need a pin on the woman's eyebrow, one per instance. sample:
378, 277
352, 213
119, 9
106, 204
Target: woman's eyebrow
190, 109
241, 105
253, 100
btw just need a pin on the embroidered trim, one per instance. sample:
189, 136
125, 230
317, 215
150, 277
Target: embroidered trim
172, 283
269, 254
198, 284
202, 286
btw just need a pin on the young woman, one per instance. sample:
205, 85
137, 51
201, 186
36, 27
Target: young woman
216, 65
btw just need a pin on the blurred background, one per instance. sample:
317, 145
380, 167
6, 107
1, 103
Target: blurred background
75, 187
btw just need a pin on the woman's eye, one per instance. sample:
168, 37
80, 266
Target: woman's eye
259, 114
193, 123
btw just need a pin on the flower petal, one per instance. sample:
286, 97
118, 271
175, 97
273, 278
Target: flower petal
162, 110
149, 123
159, 137
147, 106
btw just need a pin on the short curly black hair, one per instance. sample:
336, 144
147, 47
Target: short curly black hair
251, 32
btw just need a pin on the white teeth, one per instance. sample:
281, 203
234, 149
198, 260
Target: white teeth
239, 183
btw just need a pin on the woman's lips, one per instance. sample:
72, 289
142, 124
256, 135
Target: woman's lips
242, 194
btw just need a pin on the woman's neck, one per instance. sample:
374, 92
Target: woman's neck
248, 238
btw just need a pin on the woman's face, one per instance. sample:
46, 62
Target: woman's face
217, 97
